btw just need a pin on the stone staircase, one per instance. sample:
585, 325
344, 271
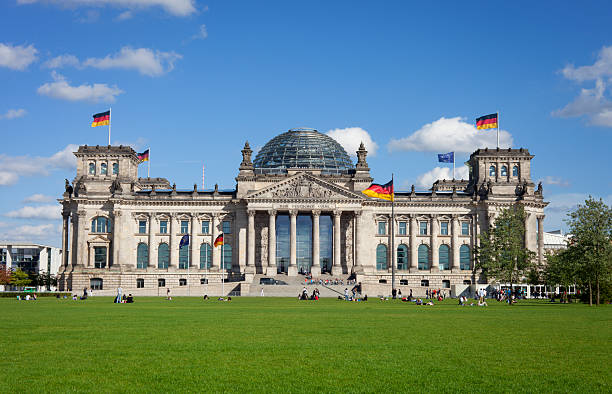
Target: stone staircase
295, 284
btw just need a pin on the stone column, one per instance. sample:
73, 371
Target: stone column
193, 243
414, 248
315, 270
251, 239
357, 243
116, 243
152, 244
66, 218
455, 240
75, 239
173, 246
80, 249
292, 271
540, 239
216, 250
435, 257
271, 270
9, 258
337, 268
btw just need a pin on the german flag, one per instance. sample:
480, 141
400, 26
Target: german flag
142, 157
101, 119
384, 192
218, 240
486, 122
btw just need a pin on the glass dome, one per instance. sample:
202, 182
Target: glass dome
302, 148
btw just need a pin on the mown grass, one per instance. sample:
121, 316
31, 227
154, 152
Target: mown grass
285, 345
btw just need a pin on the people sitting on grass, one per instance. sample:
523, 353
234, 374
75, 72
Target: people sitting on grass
130, 299
483, 303
205, 297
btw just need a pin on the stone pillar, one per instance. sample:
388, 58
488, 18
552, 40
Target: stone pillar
194, 244
152, 243
435, 257
9, 258
75, 239
80, 249
66, 218
271, 270
292, 270
173, 246
315, 270
337, 268
251, 239
357, 243
216, 250
116, 244
540, 239
455, 242
414, 248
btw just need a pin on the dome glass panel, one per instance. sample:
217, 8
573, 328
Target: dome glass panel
302, 148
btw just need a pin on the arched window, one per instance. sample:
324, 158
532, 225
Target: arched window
92, 168
443, 253
504, 171
115, 168
423, 257
163, 255
103, 169
205, 256
142, 255
381, 257
515, 171
184, 257
100, 224
492, 171
226, 257
402, 257
464, 257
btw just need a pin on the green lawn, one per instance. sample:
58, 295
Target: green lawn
285, 345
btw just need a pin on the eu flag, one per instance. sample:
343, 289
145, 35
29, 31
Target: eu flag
184, 241
446, 157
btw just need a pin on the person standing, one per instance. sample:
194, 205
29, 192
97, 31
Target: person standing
346, 294
262, 292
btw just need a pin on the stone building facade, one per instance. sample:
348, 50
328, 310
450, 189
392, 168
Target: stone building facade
297, 208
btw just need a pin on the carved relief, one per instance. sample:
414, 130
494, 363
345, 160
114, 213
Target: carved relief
261, 243
302, 188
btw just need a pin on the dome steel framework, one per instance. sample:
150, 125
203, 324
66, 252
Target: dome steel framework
302, 148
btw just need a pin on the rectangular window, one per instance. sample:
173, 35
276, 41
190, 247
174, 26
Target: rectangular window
139, 283
161, 283
402, 228
425, 282
205, 227
163, 227
465, 228
227, 227
444, 228
99, 256
446, 284
142, 227
382, 228
404, 282
182, 282
423, 228
184, 226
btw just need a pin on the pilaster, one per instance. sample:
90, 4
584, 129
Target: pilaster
315, 270
337, 268
292, 269
271, 269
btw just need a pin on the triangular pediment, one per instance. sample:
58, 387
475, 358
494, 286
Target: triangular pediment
304, 186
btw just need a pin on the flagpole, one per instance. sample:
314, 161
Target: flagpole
149, 164
392, 236
188, 264
497, 129
453, 166
222, 266
109, 124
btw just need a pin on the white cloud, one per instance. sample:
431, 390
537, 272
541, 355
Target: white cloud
427, 179
202, 33
138, 145
39, 212
29, 232
351, 137
174, 7
38, 198
592, 103
13, 167
17, 57
62, 61
61, 89
450, 134
14, 113
552, 180
125, 15
561, 204
143, 60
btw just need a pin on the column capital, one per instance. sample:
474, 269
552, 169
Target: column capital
433, 216
272, 212
293, 212
455, 216
337, 212
541, 217
357, 213
412, 215
316, 212
251, 212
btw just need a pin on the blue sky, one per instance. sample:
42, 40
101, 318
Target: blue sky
193, 80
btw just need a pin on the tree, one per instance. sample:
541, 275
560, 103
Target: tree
20, 278
502, 253
5, 275
591, 228
561, 268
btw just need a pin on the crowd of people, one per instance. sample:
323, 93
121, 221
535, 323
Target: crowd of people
309, 280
